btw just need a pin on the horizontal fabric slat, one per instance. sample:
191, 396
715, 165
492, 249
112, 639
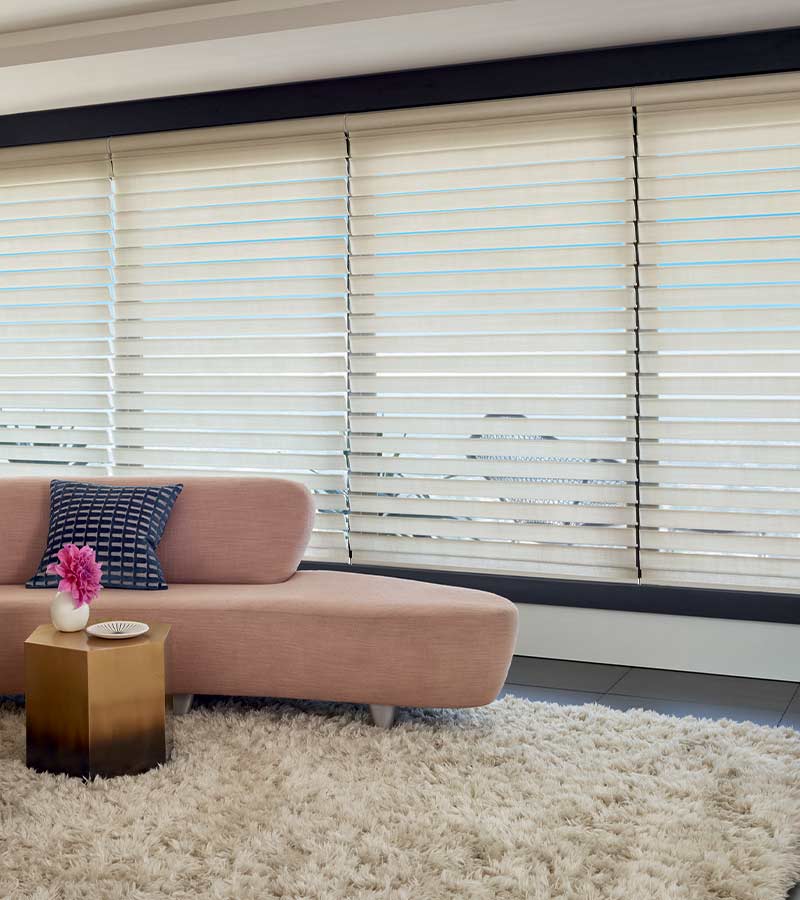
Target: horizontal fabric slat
266, 462
728, 499
715, 451
13, 417
55, 310
424, 526
545, 156
557, 426
226, 365
268, 441
500, 404
231, 383
480, 465
721, 430
558, 237
179, 254
488, 258
178, 346
783, 340
522, 385
730, 229
578, 342
489, 510
708, 566
733, 296
720, 319
742, 543
722, 385
233, 421
59, 454
516, 363
539, 449
521, 488
513, 302
415, 558
618, 212
179, 402
326, 485
716, 363
712, 580
556, 277
453, 323
758, 522
760, 475
230, 333
465, 551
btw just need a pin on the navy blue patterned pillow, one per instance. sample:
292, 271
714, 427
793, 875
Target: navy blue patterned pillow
123, 524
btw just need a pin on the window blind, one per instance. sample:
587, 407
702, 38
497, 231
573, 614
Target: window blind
231, 308
551, 336
55, 308
492, 338
720, 318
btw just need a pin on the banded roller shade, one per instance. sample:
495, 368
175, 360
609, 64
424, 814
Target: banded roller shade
720, 319
231, 308
492, 337
55, 309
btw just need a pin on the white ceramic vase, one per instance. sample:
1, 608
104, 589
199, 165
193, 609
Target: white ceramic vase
65, 616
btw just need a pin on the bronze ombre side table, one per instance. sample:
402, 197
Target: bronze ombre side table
95, 706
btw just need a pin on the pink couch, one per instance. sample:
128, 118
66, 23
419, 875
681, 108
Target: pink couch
246, 622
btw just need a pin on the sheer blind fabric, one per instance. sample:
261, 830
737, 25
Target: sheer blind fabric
231, 309
720, 339
188, 315
492, 409
456, 325
56, 295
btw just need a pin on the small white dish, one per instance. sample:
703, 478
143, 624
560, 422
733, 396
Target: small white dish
117, 630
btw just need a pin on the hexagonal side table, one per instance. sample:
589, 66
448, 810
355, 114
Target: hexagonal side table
96, 706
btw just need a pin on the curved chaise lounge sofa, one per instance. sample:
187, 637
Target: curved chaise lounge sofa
246, 622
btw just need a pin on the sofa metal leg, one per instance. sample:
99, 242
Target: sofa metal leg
182, 703
382, 716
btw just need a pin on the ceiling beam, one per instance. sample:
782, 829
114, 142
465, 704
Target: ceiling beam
196, 24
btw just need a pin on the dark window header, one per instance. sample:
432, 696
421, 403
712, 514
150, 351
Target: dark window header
755, 53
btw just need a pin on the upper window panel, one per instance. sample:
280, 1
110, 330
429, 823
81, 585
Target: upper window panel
55, 309
492, 406
720, 361
231, 311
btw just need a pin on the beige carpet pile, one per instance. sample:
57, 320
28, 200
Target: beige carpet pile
518, 800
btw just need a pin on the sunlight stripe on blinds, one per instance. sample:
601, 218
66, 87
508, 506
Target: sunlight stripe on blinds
492, 294
720, 318
231, 309
56, 258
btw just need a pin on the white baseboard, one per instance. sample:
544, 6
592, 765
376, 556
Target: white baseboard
685, 643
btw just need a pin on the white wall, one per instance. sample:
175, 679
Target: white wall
687, 643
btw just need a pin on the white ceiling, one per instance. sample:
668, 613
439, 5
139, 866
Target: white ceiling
71, 55
16, 15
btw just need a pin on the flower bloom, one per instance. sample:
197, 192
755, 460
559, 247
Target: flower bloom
79, 573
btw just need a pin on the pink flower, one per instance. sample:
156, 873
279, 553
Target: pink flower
79, 572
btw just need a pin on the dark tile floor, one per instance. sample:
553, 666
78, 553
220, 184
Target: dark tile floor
673, 693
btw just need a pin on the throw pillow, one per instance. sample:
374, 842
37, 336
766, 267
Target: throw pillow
123, 524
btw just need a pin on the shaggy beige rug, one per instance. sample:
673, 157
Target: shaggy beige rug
518, 800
